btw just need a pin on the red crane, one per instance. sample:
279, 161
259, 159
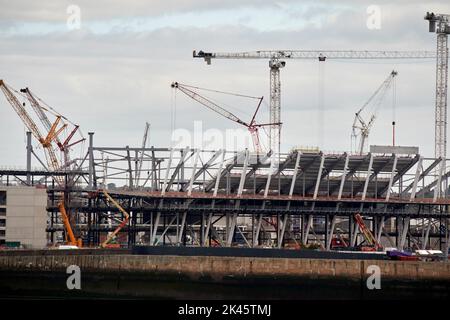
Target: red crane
252, 126
367, 233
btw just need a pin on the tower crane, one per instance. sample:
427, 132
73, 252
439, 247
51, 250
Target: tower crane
368, 235
252, 126
440, 23
52, 160
276, 62
362, 127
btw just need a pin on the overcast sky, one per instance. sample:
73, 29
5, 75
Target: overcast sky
114, 72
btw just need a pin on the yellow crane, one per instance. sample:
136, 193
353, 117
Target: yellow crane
368, 235
63, 145
111, 236
46, 141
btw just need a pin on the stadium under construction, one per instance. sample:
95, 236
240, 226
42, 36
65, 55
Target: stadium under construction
218, 198
373, 198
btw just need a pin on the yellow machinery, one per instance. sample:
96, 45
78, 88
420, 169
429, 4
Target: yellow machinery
373, 243
70, 237
31, 125
104, 244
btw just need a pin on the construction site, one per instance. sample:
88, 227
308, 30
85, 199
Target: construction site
368, 199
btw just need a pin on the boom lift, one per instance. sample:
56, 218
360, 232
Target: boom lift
362, 127
111, 236
252, 126
370, 239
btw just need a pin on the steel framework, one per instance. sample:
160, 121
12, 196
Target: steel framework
221, 198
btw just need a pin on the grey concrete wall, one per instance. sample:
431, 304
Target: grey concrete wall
26, 216
219, 267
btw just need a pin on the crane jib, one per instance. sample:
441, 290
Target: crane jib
317, 54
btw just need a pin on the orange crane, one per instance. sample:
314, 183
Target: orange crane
19, 108
367, 233
104, 244
53, 134
70, 237
252, 126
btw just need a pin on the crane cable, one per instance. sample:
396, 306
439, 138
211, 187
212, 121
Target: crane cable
50, 110
173, 110
266, 133
372, 106
219, 102
394, 103
47, 108
321, 104
218, 91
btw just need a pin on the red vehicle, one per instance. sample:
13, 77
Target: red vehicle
338, 243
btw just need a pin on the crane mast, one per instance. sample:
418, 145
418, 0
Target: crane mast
440, 24
275, 105
276, 61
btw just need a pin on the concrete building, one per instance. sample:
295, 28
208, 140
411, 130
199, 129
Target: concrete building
23, 216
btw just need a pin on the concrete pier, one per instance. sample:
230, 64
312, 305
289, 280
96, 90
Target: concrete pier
220, 277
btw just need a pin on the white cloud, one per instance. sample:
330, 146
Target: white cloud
112, 83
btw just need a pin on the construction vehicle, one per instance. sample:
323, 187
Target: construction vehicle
252, 126
362, 127
339, 241
372, 243
70, 237
111, 236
